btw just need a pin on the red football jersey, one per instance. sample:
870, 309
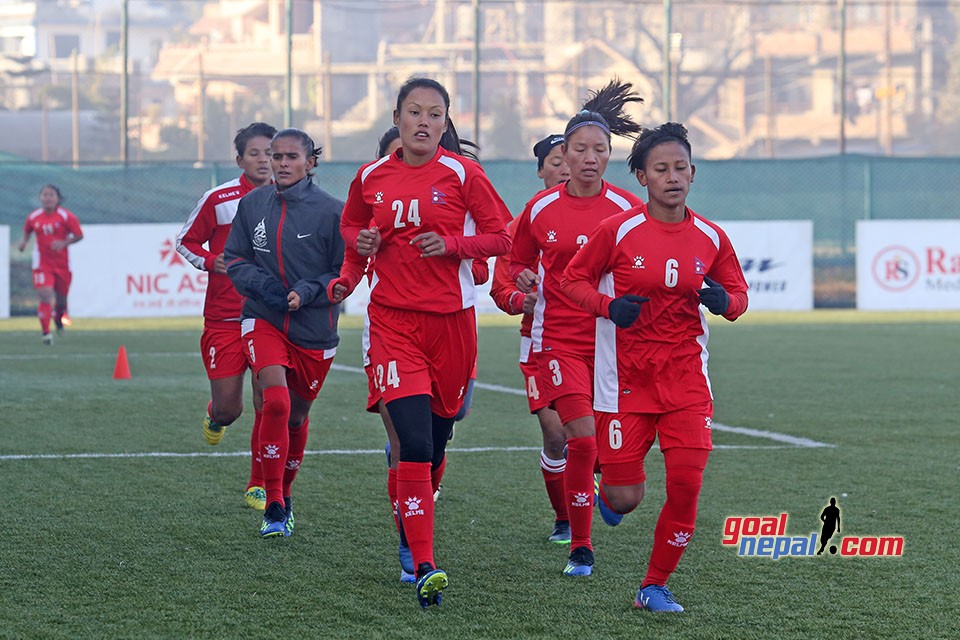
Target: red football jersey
504, 290
449, 195
48, 228
209, 224
660, 363
552, 228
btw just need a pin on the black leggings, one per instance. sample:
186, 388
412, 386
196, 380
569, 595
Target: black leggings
423, 434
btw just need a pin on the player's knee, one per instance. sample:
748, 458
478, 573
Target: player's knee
276, 404
624, 499
226, 413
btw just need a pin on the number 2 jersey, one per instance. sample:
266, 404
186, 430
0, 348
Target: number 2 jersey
553, 227
449, 195
659, 364
209, 223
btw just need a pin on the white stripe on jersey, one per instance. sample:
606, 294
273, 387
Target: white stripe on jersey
606, 379
468, 288
542, 203
227, 210
457, 167
630, 225
365, 338
368, 170
526, 344
536, 330
619, 200
708, 231
704, 354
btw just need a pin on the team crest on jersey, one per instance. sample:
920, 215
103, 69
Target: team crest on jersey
699, 267
437, 196
638, 262
551, 236
378, 198
260, 236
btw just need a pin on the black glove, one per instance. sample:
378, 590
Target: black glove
274, 295
625, 310
715, 297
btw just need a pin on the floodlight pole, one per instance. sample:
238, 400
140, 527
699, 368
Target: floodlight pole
667, 64
288, 108
842, 76
476, 71
124, 81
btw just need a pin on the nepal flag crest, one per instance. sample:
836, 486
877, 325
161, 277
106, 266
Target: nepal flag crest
699, 268
437, 196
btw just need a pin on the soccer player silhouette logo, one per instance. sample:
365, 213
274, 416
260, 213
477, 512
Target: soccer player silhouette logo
831, 522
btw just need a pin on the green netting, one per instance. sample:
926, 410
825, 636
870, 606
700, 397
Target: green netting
834, 192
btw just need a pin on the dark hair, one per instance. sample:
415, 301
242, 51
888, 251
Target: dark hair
422, 83
451, 141
650, 138
543, 148
604, 109
54, 187
250, 132
386, 140
305, 141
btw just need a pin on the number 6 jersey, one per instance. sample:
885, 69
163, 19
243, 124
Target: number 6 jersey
658, 364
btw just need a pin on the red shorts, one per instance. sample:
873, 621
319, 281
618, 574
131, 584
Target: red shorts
531, 377
623, 439
373, 391
566, 374
267, 346
223, 351
58, 279
414, 353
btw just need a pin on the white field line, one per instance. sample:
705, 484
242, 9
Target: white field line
786, 441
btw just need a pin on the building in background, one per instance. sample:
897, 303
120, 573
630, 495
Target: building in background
749, 80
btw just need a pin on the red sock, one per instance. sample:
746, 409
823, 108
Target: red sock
59, 313
256, 473
274, 440
578, 483
675, 525
392, 494
416, 509
436, 475
298, 444
43, 314
553, 479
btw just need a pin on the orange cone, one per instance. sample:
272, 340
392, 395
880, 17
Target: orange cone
122, 369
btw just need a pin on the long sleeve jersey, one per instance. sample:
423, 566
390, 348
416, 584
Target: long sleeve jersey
504, 290
553, 227
209, 223
292, 236
658, 364
449, 195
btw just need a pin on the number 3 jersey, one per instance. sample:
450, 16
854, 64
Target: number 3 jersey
658, 364
449, 195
